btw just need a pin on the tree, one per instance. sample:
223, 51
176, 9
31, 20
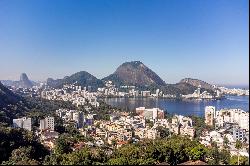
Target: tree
71, 130
149, 123
238, 146
12, 139
53, 159
242, 160
114, 142
62, 145
225, 156
117, 161
164, 132
214, 154
197, 153
21, 156
225, 142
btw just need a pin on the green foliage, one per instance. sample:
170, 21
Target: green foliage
149, 123
225, 156
115, 79
225, 142
197, 153
164, 132
199, 125
70, 129
173, 150
117, 161
82, 78
62, 145
214, 155
103, 111
48, 107
81, 157
22, 155
238, 144
12, 139
242, 160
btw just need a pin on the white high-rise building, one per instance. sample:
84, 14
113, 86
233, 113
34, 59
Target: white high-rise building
18, 123
24, 122
50, 123
47, 123
157, 92
78, 117
198, 91
42, 124
218, 93
209, 115
150, 113
27, 124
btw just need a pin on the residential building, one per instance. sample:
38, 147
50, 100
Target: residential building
24, 122
209, 115
153, 113
47, 123
239, 134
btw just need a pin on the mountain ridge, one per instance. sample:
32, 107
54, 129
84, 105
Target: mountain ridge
128, 73
134, 73
81, 78
197, 83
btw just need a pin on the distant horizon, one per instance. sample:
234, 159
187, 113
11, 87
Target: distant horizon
218, 84
206, 40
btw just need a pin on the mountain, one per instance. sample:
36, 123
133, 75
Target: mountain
81, 78
184, 88
196, 83
7, 96
24, 82
134, 73
10, 105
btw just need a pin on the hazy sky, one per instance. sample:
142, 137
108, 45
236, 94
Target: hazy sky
204, 39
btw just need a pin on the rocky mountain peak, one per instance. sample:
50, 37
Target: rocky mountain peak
135, 73
24, 81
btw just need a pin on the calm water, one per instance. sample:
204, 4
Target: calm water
181, 107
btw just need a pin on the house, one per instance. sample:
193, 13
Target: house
99, 143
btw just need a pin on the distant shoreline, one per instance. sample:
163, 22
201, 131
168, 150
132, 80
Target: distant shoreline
236, 86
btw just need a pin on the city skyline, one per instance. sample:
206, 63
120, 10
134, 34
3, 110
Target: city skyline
206, 40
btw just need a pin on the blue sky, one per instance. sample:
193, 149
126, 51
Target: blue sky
204, 39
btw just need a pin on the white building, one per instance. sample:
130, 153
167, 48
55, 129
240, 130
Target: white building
209, 115
18, 123
152, 134
233, 116
78, 117
150, 113
27, 124
24, 122
47, 123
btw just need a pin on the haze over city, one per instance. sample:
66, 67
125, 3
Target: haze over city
207, 40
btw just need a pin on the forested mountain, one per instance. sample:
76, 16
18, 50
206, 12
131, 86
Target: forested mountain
81, 78
135, 73
10, 104
197, 83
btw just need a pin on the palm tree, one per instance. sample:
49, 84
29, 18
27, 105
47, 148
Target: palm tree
238, 146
